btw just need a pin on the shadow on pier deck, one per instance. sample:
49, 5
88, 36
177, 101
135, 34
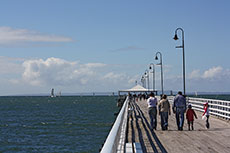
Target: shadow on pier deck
216, 139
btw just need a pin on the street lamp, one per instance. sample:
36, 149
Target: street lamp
152, 66
147, 75
156, 58
176, 38
142, 81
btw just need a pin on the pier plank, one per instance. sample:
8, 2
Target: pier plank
201, 140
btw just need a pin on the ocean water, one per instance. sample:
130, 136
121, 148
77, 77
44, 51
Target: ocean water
216, 96
60, 124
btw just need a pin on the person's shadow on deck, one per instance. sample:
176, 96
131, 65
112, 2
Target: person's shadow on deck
147, 130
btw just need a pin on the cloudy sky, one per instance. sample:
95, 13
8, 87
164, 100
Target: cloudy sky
103, 46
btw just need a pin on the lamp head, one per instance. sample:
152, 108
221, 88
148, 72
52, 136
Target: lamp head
175, 37
156, 58
150, 67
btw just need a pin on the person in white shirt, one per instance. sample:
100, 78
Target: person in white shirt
152, 110
206, 114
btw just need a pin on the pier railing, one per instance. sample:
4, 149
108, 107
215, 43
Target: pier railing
219, 108
115, 142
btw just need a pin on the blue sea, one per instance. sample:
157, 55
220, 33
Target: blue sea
60, 124
213, 96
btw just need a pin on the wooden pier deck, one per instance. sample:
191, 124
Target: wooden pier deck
214, 140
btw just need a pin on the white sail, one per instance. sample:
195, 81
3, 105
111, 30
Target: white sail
196, 93
59, 94
52, 92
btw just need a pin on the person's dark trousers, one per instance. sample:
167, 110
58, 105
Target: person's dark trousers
180, 118
153, 117
164, 120
190, 123
207, 122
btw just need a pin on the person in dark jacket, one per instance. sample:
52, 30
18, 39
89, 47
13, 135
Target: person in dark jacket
179, 108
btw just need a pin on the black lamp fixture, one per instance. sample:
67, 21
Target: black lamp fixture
175, 37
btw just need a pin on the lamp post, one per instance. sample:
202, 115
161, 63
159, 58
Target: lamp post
152, 66
142, 81
176, 38
147, 75
156, 58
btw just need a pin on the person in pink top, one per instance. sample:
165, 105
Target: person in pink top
206, 114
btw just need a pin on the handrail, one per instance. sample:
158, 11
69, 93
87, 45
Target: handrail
206, 99
220, 108
112, 141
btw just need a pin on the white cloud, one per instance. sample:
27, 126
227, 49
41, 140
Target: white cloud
213, 72
214, 79
113, 76
59, 72
9, 35
195, 74
73, 76
55, 71
93, 65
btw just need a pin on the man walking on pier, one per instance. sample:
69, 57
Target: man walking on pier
179, 107
152, 109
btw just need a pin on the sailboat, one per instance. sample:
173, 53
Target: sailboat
59, 94
52, 93
196, 93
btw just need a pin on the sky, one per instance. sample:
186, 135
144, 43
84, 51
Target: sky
80, 46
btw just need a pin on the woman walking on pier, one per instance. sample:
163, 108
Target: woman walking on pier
152, 109
164, 111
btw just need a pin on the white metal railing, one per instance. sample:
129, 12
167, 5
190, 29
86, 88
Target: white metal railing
220, 108
115, 142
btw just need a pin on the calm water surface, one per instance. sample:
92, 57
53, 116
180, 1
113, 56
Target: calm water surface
60, 124
219, 97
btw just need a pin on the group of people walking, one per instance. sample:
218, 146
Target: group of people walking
179, 108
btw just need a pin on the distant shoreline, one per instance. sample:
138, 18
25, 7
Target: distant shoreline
110, 94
